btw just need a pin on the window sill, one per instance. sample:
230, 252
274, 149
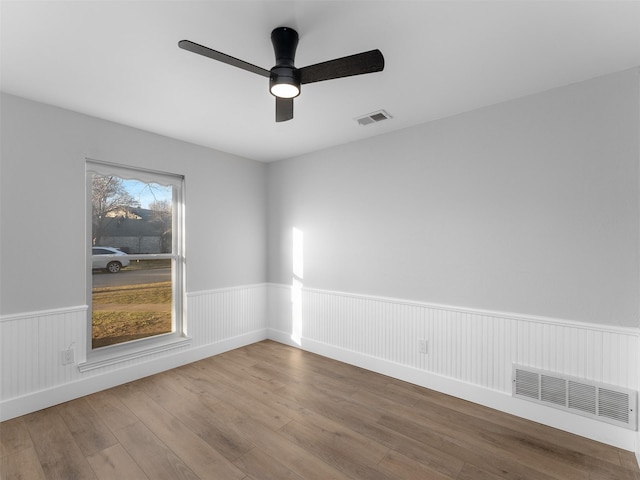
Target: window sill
119, 355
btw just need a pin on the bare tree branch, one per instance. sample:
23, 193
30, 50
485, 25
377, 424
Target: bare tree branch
109, 200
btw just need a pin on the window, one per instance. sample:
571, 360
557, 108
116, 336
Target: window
135, 267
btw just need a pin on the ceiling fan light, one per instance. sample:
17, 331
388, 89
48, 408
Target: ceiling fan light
285, 90
284, 82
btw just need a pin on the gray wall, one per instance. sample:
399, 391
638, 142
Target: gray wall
529, 206
42, 204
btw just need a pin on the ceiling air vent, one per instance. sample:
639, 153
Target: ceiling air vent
374, 117
599, 401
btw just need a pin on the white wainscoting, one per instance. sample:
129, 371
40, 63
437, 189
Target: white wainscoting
30, 346
32, 376
469, 352
215, 315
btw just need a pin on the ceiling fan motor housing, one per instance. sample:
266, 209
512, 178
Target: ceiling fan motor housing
285, 42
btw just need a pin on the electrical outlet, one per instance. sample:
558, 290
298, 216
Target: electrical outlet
422, 346
67, 356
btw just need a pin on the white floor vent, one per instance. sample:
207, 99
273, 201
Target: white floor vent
600, 401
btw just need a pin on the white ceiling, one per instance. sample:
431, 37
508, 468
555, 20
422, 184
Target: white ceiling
119, 60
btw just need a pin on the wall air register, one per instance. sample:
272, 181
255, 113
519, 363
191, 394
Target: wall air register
607, 403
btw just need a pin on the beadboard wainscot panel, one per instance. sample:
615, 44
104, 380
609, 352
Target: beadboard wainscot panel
222, 314
279, 310
469, 352
31, 345
18, 356
32, 374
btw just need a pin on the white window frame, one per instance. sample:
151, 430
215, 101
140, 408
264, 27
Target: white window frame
112, 354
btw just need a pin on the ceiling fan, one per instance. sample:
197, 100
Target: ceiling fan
284, 78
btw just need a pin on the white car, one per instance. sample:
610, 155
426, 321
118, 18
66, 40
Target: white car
103, 258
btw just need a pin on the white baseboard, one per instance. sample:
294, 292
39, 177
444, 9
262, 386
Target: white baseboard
32, 402
598, 431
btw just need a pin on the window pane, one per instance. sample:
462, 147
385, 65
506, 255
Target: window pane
135, 303
131, 215
132, 294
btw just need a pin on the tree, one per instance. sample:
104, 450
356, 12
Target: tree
109, 200
162, 215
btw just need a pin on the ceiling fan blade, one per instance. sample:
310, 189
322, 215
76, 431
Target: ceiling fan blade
366, 62
284, 109
222, 57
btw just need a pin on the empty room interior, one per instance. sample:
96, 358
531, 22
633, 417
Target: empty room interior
318, 239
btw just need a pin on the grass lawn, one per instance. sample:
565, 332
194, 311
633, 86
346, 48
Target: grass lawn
125, 313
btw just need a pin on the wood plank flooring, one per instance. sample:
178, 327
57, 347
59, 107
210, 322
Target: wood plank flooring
269, 411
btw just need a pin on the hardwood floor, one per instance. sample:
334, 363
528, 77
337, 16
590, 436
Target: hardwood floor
269, 411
